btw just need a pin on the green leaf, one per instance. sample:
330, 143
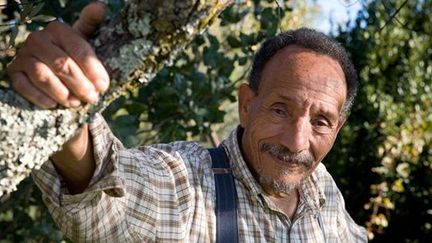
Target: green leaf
214, 42
247, 39
233, 41
63, 3
27, 7
43, 18
209, 57
243, 60
36, 8
13, 35
5, 27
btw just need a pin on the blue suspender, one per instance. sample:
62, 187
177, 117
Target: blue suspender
226, 197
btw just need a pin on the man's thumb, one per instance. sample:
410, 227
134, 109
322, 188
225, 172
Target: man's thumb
90, 19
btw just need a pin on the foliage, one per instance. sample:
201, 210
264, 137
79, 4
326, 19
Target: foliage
24, 218
383, 157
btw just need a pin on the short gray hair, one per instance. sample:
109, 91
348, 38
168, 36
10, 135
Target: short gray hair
314, 41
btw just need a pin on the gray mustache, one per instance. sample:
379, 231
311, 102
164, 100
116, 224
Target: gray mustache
304, 158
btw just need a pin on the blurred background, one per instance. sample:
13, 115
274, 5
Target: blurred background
382, 159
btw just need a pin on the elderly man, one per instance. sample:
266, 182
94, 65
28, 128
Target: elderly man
301, 87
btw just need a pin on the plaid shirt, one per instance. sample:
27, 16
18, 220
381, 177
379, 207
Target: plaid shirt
166, 193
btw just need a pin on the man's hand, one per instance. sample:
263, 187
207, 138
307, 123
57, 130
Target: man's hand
58, 66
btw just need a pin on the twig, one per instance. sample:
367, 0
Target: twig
393, 15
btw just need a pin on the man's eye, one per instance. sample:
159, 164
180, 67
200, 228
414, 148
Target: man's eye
322, 123
279, 111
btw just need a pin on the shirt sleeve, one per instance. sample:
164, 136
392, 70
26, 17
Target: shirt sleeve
135, 195
89, 214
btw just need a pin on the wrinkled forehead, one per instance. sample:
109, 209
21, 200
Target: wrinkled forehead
301, 73
294, 63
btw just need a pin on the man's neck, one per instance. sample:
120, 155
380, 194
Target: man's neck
287, 204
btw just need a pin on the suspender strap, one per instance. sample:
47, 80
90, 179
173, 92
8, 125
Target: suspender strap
226, 197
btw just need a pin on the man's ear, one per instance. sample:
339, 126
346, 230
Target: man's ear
341, 122
245, 95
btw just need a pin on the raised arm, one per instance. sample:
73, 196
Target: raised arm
56, 66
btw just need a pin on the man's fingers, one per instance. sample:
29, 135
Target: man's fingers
23, 86
90, 19
42, 77
61, 64
57, 65
82, 54
38, 84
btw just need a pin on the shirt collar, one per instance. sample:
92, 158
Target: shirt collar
240, 169
311, 193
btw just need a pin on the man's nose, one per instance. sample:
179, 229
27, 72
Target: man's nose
296, 135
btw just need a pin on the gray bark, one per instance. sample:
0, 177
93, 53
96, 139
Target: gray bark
134, 46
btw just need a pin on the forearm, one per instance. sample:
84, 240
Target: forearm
75, 162
74, 202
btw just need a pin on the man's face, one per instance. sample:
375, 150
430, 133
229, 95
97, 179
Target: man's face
291, 123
